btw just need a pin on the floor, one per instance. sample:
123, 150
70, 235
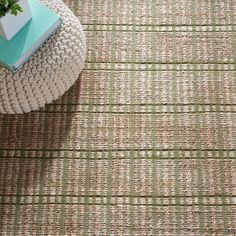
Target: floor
145, 142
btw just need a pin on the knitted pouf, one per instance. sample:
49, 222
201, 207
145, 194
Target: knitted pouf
50, 72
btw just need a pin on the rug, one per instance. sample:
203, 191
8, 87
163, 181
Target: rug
144, 142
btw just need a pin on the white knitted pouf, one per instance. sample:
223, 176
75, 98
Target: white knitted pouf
50, 72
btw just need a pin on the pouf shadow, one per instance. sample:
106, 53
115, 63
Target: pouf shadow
29, 144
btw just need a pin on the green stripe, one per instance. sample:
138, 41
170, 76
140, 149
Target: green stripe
155, 219
158, 31
110, 130
146, 69
21, 169
125, 195
197, 121
3, 172
147, 104
46, 141
75, 135
24, 176
160, 25
131, 128
125, 220
123, 204
130, 112
176, 119
64, 173
162, 212
220, 140
163, 63
21, 172
118, 150
89, 130
6, 166
233, 39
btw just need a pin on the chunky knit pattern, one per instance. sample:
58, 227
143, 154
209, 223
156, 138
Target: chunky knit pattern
50, 72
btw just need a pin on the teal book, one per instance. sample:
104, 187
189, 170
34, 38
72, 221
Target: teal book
44, 22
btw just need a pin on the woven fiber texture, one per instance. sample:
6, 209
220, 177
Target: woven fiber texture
50, 72
144, 142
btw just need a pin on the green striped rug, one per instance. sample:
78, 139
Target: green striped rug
144, 142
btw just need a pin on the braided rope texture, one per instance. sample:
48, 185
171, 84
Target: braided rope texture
144, 143
50, 72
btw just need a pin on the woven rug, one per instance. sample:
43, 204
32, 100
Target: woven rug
144, 142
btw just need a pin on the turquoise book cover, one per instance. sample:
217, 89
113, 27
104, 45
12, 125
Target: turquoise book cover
43, 24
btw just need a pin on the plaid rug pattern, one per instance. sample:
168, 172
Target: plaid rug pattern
144, 142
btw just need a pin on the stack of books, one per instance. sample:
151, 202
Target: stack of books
15, 52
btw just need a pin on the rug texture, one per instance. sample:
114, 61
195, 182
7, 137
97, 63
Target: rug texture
144, 143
